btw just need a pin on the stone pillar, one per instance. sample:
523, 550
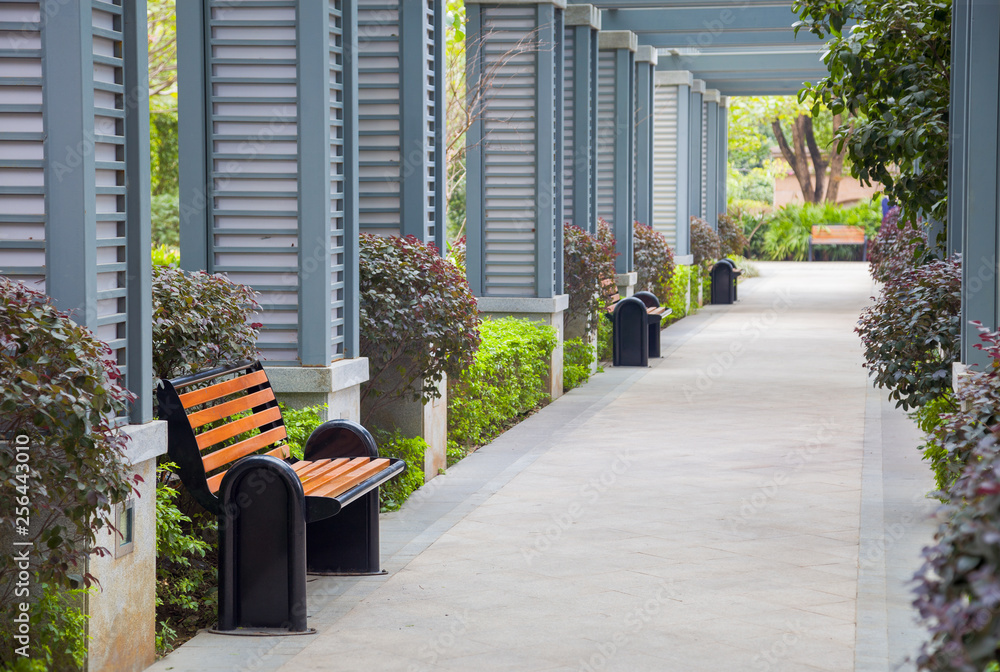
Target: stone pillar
671, 148
645, 67
616, 139
514, 196
961, 14
723, 155
696, 130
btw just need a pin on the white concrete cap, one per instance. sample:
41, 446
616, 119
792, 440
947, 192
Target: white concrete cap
698, 86
723, 101
583, 15
617, 39
646, 54
712, 96
673, 78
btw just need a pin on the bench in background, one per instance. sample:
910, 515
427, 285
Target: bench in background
839, 234
630, 348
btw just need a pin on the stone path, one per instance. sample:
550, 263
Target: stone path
747, 503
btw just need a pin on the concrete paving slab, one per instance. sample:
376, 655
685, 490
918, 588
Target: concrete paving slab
747, 502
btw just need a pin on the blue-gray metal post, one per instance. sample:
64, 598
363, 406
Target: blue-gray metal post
958, 120
314, 309
595, 66
192, 101
585, 22
645, 66
980, 207
68, 106
545, 152
137, 202
352, 230
723, 157
559, 149
623, 44
670, 178
413, 149
711, 176
695, 176
440, 115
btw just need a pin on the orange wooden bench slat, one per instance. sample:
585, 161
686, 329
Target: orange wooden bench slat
224, 410
342, 470
281, 452
322, 470
849, 235
218, 390
347, 481
244, 447
237, 427
303, 467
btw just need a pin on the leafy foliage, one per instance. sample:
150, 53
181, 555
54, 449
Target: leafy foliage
577, 358
419, 321
394, 444
60, 395
899, 245
164, 164
891, 72
587, 260
300, 423
787, 230
653, 261
200, 321
605, 348
731, 238
705, 244
680, 292
165, 214
938, 448
505, 380
163, 255
910, 334
59, 629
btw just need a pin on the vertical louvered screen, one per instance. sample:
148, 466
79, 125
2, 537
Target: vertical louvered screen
109, 164
338, 184
252, 156
22, 135
665, 163
429, 110
568, 118
704, 161
606, 135
379, 116
510, 150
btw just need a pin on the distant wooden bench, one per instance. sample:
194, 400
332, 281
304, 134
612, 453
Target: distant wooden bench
655, 313
266, 502
838, 234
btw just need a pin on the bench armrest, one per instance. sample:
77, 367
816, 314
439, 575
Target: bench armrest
339, 438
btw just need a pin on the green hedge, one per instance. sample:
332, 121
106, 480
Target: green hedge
577, 358
506, 380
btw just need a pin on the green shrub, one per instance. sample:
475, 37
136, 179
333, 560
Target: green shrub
679, 293
705, 244
394, 444
753, 219
911, 333
61, 392
899, 246
200, 321
164, 255
165, 218
653, 261
587, 260
300, 423
164, 164
605, 348
505, 380
457, 251
787, 233
419, 321
732, 242
577, 358
750, 269
930, 418
59, 629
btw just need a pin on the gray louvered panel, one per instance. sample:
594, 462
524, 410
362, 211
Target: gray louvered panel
430, 120
379, 116
338, 182
253, 148
22, 151
568, 118
606, 135
109, 141
509, 147
665, 163
704, 161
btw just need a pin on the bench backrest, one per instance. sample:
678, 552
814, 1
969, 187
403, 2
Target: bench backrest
609, 289
838, 234
215, 418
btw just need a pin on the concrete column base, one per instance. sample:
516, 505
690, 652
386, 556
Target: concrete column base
626, 283
547, 311
429, 421
337, 385
122, 624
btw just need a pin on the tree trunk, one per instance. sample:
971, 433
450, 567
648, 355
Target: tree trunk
796, 158
819, 165
836, 163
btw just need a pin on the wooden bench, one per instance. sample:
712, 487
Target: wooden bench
838, 234
725, 281
278, 517
655, 313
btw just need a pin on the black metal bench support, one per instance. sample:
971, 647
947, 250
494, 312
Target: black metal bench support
654, 321
630, 335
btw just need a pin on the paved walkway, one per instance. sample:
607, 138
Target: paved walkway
747, 503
